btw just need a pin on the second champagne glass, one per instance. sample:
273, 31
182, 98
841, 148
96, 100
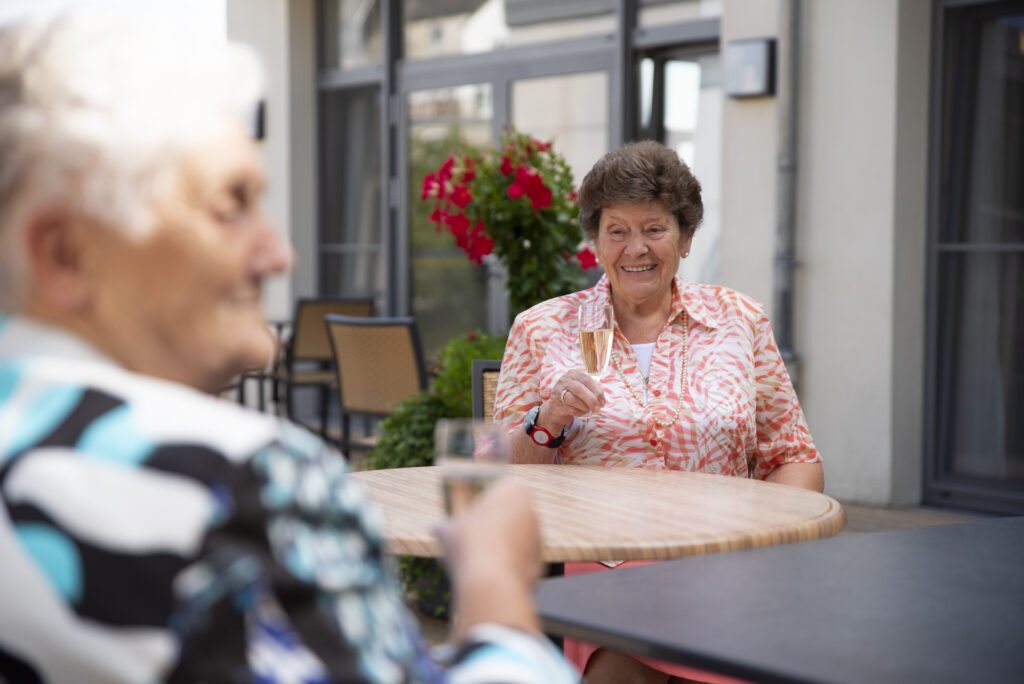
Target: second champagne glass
596, 329
471, 454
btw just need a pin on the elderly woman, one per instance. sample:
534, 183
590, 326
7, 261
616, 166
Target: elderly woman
696, 381
149, 531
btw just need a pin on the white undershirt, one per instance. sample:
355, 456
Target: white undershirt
644, 352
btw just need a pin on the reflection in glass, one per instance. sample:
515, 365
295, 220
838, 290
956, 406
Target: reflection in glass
448, 292
980, 268
986, 127
351, 34
351, 240
435, 29
681, 105
661, 13
570, 110
981, 364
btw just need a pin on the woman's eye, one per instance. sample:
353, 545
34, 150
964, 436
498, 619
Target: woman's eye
236, 209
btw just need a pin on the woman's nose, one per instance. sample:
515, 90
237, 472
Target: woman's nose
636, 245
274, 253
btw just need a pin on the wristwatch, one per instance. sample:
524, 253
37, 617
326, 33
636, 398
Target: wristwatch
538, 434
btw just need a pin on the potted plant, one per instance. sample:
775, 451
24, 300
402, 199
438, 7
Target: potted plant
517, 202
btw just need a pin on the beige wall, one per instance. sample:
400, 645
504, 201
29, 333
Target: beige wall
281, 32
859, 307
748, 166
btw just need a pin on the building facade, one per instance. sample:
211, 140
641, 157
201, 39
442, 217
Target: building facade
861, 163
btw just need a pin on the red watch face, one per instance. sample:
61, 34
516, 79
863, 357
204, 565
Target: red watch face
540, 436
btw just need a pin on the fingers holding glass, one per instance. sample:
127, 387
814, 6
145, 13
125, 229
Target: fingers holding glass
580, 396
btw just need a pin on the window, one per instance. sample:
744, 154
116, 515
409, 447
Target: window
351, 226
448, 292
976, 262
681, 106
350, 34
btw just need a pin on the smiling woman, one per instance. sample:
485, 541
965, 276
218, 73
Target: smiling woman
696, 381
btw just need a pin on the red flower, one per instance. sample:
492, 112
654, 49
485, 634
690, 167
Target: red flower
461, 196
542, 146
430, 187
458, 224
470, 172
586, 258
506, 165
471, 336
480, 245
521, 184
438, 217
539, 194
445, 172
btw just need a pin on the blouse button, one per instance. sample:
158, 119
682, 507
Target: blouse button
657, 393
654, 442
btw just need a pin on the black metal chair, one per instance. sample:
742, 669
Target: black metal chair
307, 360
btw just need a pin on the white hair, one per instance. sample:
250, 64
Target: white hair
95, 110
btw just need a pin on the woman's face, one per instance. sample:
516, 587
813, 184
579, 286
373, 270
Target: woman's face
640, 246
186, 297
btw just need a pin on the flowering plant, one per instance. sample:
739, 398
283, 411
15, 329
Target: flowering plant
516, 201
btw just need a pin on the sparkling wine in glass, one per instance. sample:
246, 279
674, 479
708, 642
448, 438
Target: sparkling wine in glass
471, 454
596, 326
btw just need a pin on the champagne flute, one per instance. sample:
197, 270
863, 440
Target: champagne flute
471, 454
596, 328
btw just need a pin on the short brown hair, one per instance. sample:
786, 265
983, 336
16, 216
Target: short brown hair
645, 171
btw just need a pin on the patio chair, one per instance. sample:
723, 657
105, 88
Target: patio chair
379, 363
485, 374
307, 360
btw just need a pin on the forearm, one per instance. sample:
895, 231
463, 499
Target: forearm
492, 595
806, 475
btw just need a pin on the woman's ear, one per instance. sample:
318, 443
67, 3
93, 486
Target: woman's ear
684, 247
61, 264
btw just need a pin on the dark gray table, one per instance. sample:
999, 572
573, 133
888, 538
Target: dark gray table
934, 604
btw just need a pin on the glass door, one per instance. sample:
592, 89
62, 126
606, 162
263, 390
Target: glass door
975, 427
681, 106
448, 291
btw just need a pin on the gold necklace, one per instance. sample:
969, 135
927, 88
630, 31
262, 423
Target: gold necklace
682, 392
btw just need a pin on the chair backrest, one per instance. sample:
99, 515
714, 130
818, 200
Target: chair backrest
485, 374
379, 361
309, 337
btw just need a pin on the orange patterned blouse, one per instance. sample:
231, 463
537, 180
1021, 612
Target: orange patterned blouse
739, 416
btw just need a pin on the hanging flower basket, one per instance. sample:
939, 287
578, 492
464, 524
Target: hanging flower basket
518, 203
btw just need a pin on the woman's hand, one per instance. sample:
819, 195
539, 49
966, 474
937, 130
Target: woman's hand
493, 552
575, 394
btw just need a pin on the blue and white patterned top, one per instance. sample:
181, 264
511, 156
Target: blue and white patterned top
150, 533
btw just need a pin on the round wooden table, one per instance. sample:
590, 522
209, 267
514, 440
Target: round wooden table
592, 513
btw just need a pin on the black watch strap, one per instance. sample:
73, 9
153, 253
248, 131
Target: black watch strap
538, 434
